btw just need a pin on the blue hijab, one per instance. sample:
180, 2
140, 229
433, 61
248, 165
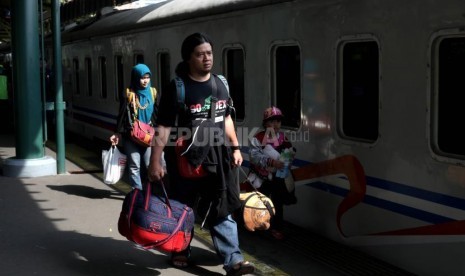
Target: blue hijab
143, 94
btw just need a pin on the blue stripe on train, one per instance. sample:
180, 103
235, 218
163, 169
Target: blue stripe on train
95, 112
385, 204
438, 198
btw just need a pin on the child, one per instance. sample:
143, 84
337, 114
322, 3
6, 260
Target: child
271, 156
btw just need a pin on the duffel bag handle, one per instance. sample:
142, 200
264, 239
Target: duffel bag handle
148, 194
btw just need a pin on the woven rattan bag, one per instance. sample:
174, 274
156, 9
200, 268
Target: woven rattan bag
257, 210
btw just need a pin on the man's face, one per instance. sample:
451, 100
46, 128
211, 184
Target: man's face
201, 60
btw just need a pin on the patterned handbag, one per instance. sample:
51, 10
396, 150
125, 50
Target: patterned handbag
142, 133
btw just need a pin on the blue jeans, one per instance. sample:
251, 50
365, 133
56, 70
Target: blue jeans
135, 154
225, 239
223, 230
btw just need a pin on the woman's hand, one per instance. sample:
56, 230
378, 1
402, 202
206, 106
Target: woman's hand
114, 139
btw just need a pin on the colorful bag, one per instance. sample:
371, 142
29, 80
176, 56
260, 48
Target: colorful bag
142, 133
185, 168
155, 222
257, 210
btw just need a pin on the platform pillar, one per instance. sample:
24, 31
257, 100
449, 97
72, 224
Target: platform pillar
30, 159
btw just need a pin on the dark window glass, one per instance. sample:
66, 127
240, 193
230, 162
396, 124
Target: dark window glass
77, 90
103, 77
234, 73
138, 58
89, 76
287, 76
163, 72
360, 90
119, 77
450, 95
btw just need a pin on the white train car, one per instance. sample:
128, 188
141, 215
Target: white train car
371, 91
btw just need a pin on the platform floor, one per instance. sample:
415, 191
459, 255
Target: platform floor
67, 225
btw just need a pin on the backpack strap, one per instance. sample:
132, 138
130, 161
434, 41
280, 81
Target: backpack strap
180, 96
230, 100
225, 82
181, 93
131, 102
154, 93
131, 96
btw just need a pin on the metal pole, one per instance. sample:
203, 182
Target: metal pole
42, 55
59, 104
26, 79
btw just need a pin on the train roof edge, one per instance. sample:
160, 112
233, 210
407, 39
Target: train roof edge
157, 14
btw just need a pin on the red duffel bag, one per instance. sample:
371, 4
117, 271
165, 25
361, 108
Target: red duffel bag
155, 222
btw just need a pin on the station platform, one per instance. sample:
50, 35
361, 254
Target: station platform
67, 225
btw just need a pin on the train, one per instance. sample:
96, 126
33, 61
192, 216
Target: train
370, 89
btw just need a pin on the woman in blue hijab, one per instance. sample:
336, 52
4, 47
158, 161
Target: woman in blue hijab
145, 111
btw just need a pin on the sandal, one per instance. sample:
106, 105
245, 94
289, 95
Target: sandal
180, 261
241, 268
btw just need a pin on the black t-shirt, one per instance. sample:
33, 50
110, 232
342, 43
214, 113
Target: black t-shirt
219, 186
198, 97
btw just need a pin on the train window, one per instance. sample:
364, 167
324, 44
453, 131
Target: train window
138, 58
163, 65
103, 77
119, 77
359, 90
76, 87
449, 95
234, 72
287, 83
88, 65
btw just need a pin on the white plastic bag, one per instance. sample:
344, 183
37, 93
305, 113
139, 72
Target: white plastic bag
114, 164
255, 180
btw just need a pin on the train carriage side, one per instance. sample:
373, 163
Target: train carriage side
413, 202
369, 88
